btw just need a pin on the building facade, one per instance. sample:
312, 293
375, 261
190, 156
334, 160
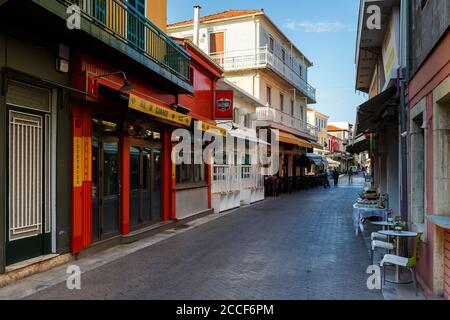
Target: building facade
260, 59
104, 115
428, 121
380, 61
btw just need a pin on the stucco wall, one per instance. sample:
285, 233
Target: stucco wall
191, 201
157, 13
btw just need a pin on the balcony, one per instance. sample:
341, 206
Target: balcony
113, 31
264, 58
288, 121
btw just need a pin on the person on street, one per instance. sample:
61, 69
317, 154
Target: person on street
350, 176
335, 177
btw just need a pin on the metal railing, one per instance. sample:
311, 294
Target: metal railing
260, 58
131, 27
278, 116
229, 178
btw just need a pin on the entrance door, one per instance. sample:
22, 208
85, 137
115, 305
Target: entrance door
145, 185
105, 179
29, 170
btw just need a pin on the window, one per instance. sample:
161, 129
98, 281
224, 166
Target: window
271, 44
191, 173
237, 116
292, 107
300, 70
283, 55
281, 102
247, 122
269, 96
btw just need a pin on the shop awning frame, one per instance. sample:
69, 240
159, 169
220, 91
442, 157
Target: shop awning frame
371, 114
291, 139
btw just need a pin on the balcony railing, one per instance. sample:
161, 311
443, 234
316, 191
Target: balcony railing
261, 58
229, 178
131, 27
277, 116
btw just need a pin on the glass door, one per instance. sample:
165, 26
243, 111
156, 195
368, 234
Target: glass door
145, 184
105, 176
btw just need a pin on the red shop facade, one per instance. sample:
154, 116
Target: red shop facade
124, 183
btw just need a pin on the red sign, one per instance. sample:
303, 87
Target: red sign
224, 105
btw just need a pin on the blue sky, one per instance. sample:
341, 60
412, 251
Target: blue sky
324, 30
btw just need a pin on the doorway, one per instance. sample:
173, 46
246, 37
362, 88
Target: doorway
105, 179
145, 183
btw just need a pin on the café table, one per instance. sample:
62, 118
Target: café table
398, 235
384, 224
360, 213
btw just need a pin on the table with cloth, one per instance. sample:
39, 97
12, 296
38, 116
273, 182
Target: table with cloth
361, 213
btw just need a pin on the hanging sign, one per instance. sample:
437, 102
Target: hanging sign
223, 109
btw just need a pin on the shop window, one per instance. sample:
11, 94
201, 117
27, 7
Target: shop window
192, 172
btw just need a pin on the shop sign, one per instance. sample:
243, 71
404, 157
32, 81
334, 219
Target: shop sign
78, 159
158, 111
207, 127
224, 105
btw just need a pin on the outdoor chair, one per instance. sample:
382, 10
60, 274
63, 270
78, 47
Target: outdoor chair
408, 263
382, 245
378, 236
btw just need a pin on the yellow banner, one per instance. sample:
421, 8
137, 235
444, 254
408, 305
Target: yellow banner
155, 110
78, 159
206, 126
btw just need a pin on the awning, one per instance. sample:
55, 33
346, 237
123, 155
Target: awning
316, 145
291, 139
243, 134
332, 163
371, 114
360, 144
317, 159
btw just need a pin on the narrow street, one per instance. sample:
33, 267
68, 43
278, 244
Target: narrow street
299, 246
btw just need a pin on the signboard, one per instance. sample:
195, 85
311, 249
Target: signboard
206, 127
223, 109
78, 159
158, 111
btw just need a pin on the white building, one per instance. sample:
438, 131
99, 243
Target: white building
261, 60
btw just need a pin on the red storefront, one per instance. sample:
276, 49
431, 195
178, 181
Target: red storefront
124, 182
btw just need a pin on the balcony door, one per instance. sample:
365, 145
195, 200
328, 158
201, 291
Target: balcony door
217, 46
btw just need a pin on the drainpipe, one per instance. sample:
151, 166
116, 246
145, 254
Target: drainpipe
197, 24
403, 109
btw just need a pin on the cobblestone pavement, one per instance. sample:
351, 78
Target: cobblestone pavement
299, 246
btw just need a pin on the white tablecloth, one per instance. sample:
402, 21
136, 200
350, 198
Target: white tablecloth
360, 213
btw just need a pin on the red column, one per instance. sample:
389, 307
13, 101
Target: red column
168, 179
77, 185
125, 185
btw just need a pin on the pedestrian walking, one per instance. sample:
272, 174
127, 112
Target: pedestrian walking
350, 176
336, 177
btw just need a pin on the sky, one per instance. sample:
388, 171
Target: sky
324, 30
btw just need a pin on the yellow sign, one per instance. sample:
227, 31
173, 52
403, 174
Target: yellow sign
88, 159
207, 127
78, 162
155, 110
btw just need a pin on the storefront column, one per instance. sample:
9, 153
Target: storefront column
125, 185
81, 179
3, 144
169, 179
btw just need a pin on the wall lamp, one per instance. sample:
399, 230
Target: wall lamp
127, 85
